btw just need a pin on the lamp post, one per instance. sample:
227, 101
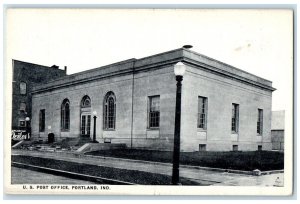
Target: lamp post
94, 133
179, 70
28, 132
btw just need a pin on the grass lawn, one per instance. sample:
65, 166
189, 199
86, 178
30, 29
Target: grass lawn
246, 161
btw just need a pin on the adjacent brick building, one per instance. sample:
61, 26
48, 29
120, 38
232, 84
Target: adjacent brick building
277, 130
25, 77
223, 108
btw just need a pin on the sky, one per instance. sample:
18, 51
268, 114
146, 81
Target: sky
257, 41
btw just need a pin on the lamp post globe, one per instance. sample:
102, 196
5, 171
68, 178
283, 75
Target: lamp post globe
179, 69
94, 113
28, 132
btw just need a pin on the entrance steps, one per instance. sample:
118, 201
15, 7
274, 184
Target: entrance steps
78, 141
89, 147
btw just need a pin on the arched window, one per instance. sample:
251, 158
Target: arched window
23, 88
65, 115
86, 102
109, 111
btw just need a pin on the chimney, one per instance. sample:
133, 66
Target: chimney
55, 66
66, 69
187, 46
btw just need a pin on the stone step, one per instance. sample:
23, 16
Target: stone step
78, 141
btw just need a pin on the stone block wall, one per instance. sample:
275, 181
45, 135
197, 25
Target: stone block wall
134, 81
221, 92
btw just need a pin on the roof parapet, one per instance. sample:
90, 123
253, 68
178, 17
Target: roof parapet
157, 60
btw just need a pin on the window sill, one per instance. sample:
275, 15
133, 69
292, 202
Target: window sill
149, 129
201, 130
109, 130
65, 130
233, 132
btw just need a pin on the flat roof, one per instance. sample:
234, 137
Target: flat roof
187, 56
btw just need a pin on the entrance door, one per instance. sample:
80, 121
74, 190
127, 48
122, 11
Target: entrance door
85, 124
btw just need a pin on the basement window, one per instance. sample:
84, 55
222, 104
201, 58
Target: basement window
259, 147
235, 148
202, 147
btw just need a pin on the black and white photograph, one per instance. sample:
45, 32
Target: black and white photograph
139, 101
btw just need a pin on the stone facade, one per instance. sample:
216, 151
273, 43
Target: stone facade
133, 82
29, 75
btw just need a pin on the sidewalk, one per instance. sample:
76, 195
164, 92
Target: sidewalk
207, 177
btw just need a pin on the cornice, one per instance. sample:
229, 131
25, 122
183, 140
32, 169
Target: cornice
223, 73
133, 66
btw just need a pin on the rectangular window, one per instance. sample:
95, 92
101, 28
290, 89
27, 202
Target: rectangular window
42, 120
235, 148
22, 106
202, 112
235, 118
154, 112
260, 122
23, 88
202, 147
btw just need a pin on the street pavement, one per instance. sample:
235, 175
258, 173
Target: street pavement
25, 176
203, 176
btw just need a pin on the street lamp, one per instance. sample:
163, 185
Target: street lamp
179, 70
28, 132
94, 134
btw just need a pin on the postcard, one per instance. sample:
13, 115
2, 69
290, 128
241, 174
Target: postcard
140, 101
